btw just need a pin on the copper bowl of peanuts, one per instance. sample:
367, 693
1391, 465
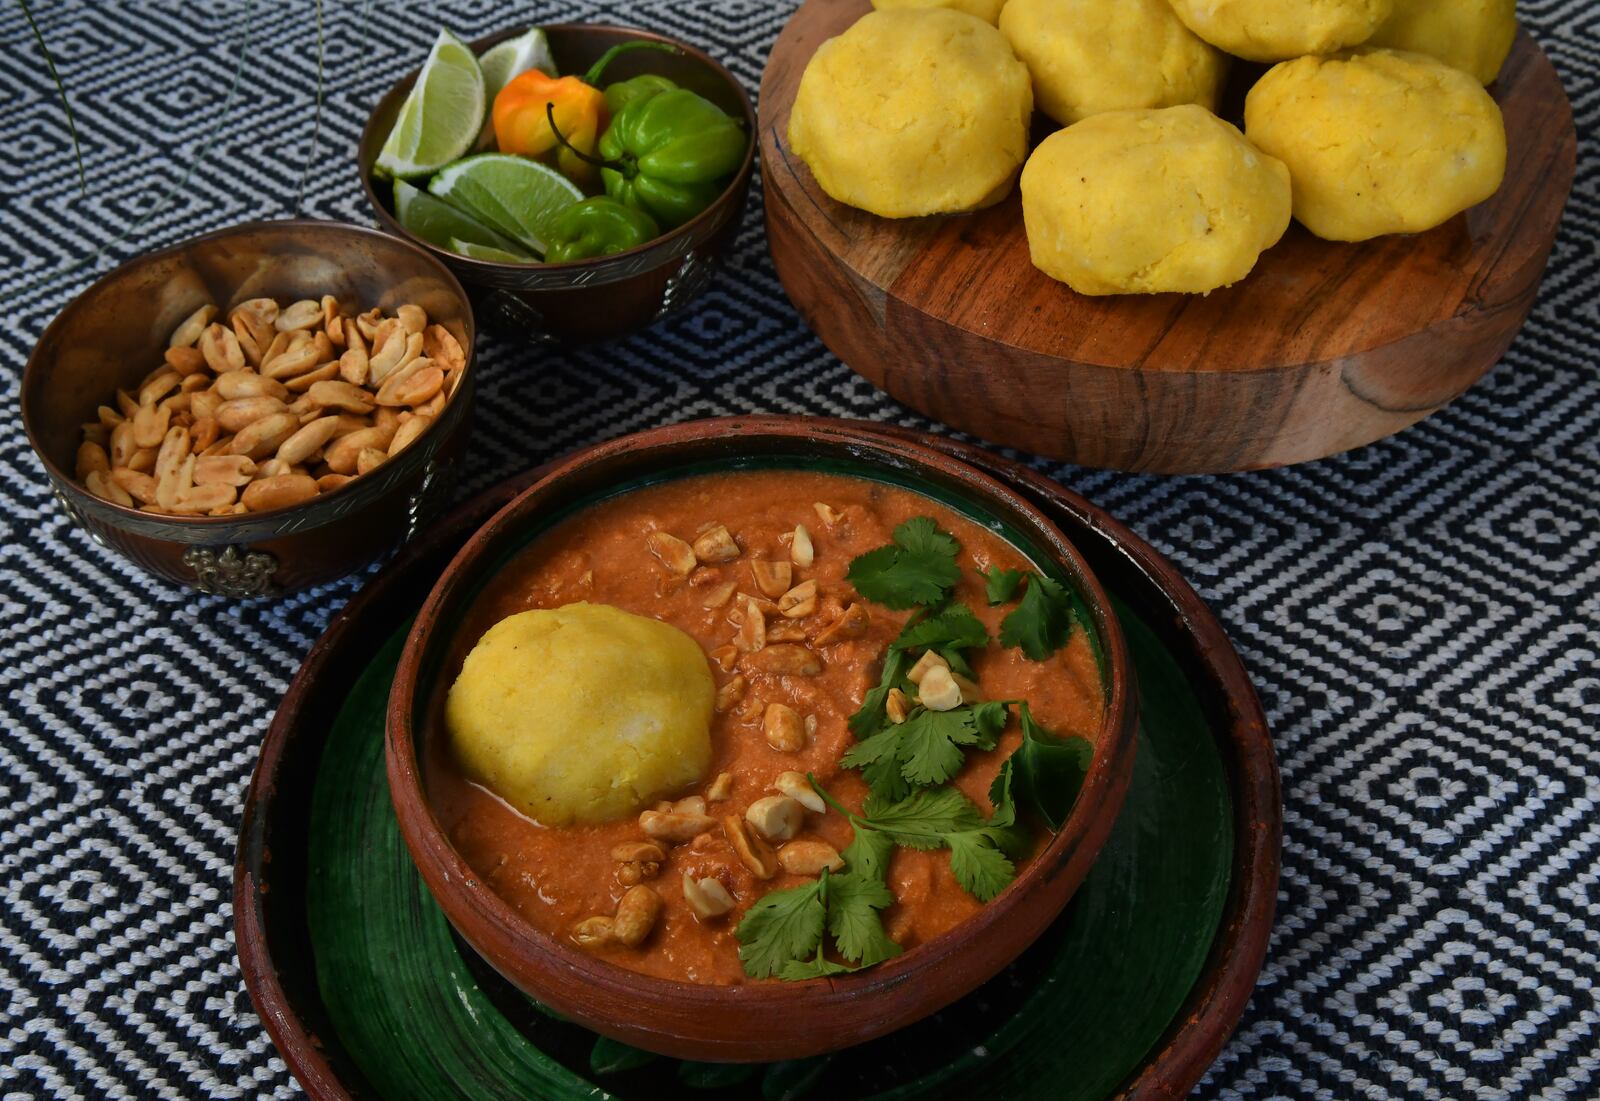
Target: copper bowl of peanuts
257, 410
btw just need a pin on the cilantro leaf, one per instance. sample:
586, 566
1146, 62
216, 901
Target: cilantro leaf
990, 719
1000, 586
868, 854
818, 967
870, 716
952, 626
923, 819
1042, 622
1045, 772
918, 568
783, 926
979, 865
854, 900
944, 818
925, 749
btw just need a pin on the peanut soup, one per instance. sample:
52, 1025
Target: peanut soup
752, 566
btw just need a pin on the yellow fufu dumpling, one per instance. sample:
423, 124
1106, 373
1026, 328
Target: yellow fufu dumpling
1272, 30
1145, 201
914, 111
582, 714
1378, 141
1088, 56
986, 10
1472, 35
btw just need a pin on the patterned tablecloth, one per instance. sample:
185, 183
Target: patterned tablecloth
1422, 617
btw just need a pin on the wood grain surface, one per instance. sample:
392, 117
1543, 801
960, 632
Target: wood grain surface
1324, 347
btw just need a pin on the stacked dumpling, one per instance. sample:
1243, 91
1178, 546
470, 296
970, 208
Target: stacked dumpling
1374, 120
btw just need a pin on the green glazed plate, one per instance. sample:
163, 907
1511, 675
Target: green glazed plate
1131, 993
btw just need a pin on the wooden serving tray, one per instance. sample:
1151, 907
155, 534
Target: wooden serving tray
1324, 347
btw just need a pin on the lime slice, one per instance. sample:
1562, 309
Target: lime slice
439, 223
517, 196
511, 58
440, 119
487, 252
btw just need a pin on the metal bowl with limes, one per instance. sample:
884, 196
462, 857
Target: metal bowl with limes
579, 300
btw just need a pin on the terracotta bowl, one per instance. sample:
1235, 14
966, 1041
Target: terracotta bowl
112, 334
585, 300
755, 1021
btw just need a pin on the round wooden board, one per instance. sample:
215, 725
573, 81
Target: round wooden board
1324, 347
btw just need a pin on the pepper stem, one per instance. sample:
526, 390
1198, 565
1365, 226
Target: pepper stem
586, 158
599, 67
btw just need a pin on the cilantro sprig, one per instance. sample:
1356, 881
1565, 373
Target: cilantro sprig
783, 934
918, 568
1043, 620
1045, 772
982, 850
928, 748
1000, 585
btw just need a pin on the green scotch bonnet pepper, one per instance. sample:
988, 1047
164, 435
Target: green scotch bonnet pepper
669, 151
597, 227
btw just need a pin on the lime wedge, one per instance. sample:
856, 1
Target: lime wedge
442, 115
487, 252
511, 58
517, 196
439, 223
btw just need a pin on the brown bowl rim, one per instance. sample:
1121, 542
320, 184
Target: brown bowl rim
465, 899
32, 368
688, 229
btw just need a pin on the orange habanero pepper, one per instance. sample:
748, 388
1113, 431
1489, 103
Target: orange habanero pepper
525, 107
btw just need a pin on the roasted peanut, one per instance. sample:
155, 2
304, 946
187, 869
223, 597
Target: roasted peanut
308, 439
236, 415
808, 858
636, 916
772, 578
100, 483
938, 690
706, 896
92, 457
141, 487
775, 817
185, 361
342, 455
716, 545
330, 482
189, 330
799, 601
785, 660
672, 552
263, 437
279, 491
592, 932
232, 470
752, 633
407, 433
413, 317
720, 788
852, 623
782, 728
331, 394
412, 388
752, 851
730, 693
221, 350
443, 348
897, 706
203, 499
638, 852
370, 459
801, 551
299, 315
826, 513
718, 595
929, 660
797, 786
677, 828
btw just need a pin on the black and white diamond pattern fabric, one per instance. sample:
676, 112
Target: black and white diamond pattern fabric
1422, 616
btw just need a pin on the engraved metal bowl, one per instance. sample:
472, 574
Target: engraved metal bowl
114, 332
608, 296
